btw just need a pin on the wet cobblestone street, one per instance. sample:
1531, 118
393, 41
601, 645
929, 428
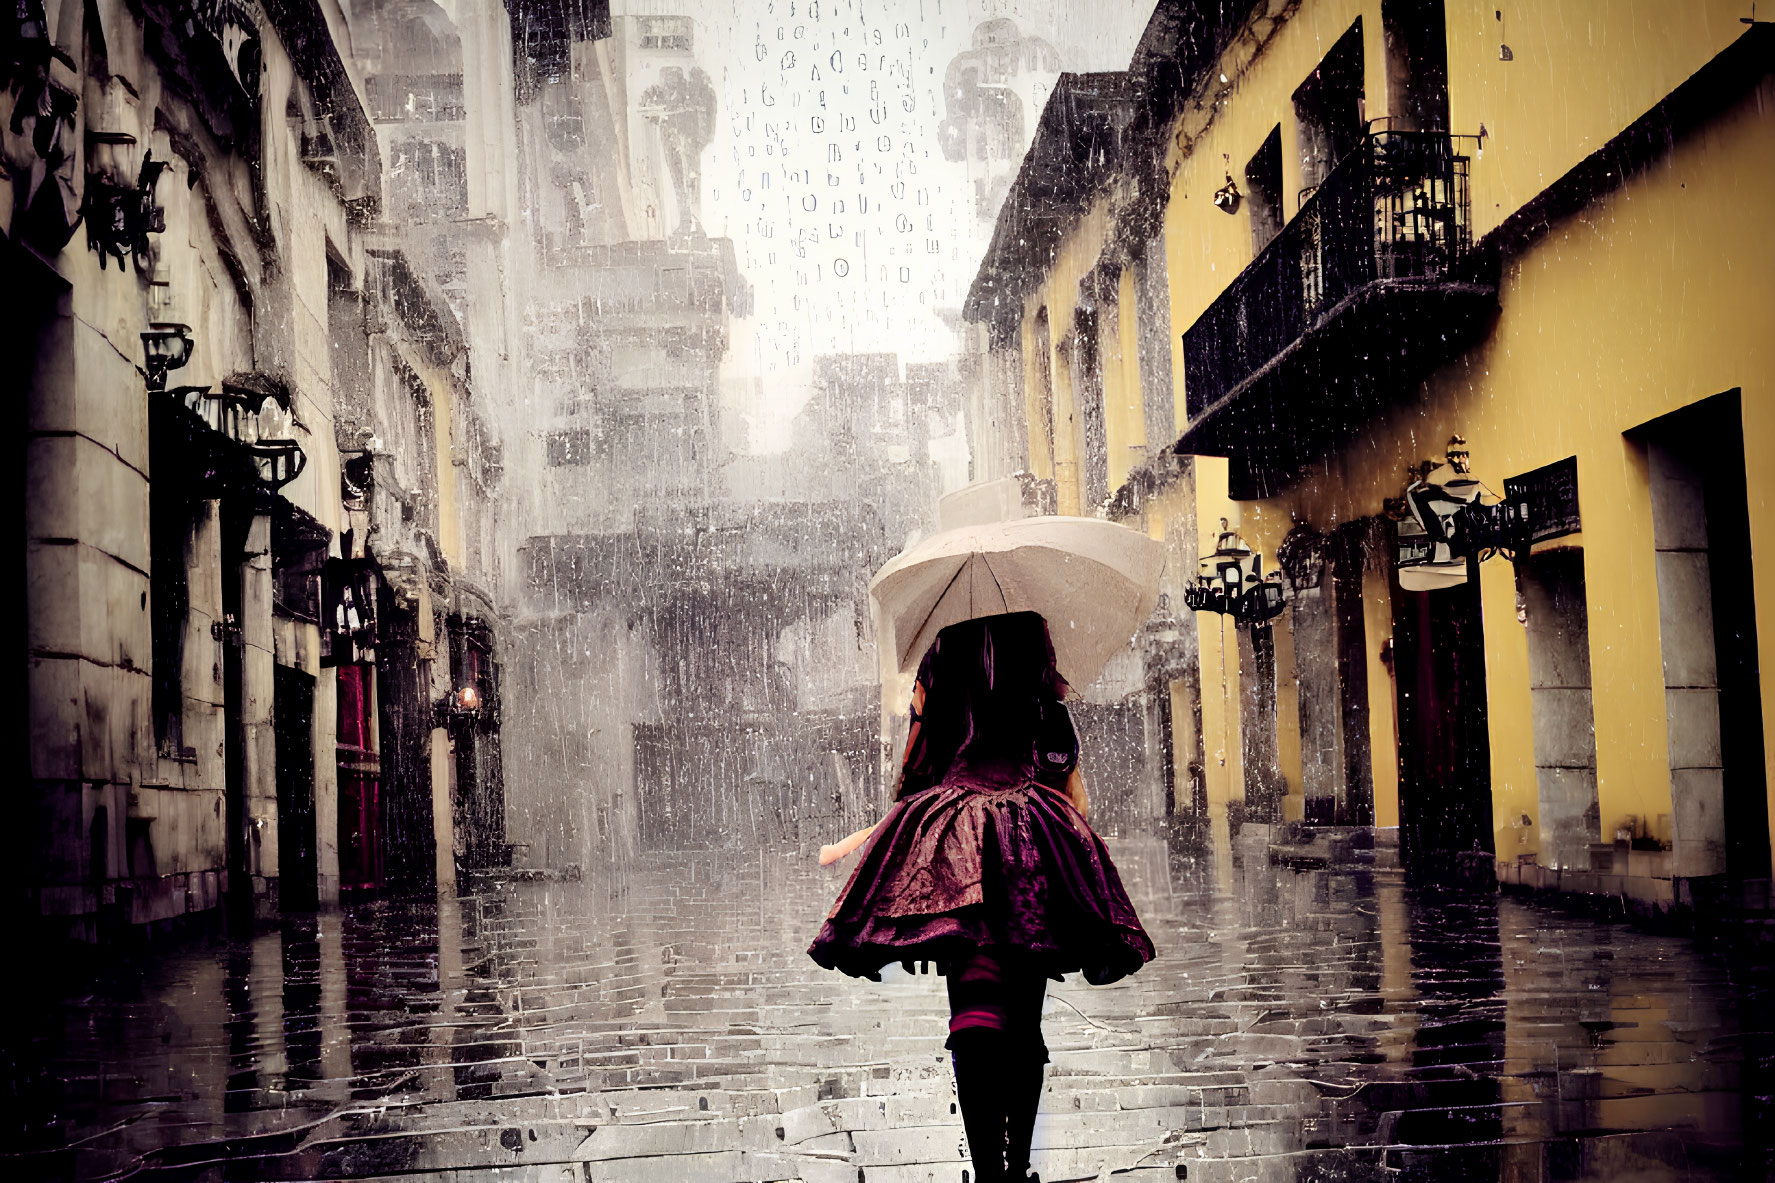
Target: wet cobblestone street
666, 1026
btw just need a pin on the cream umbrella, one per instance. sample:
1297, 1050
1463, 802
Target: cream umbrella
1094, 582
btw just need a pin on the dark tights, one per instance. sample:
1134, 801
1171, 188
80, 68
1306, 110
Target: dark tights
995, 1040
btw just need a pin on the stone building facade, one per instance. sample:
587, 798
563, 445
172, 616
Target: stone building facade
245, 436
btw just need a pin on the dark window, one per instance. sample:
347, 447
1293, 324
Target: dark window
1263, 177
416, 98
666, 32
425, 453
298, 556
296, 587
1417, 64
170, 519
570, 449
292, 713
432, 176
1087, 385
563, 120
1328, 106
1044, 384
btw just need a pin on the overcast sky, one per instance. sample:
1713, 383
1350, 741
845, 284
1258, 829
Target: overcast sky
826, 170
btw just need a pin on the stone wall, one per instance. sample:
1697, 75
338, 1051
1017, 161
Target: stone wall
170, 574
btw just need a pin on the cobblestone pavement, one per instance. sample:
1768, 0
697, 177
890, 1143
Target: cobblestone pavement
666, 1026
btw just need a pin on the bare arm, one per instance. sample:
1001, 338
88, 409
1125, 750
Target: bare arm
1075, 791
831, 854
837, 850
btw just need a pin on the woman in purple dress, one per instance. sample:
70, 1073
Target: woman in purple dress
985, 865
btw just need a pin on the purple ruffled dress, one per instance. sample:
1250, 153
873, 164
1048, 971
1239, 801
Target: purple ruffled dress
989, 857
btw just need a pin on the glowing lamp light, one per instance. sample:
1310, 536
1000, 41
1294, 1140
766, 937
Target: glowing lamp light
459, 707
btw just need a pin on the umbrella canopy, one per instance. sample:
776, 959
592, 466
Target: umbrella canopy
1095, 583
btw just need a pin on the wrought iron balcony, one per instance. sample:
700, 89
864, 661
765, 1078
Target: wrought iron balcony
217, 444
1371, 284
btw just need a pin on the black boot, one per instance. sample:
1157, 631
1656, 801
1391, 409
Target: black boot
978, 1054
1023, 1096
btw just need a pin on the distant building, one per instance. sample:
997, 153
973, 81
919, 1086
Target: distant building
666, 612
993, 92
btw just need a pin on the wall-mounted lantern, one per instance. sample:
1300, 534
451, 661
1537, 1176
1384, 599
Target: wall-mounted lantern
166, 346
459, 707
119, 208
1226, 198
348, 610
1302, 556
1165, 657
1231, 582
357, 476
109, 155
1448, 522
262, 421
279, 461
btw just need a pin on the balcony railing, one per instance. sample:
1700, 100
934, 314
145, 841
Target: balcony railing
216, 444
1395, 208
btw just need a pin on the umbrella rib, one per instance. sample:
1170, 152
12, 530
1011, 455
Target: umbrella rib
995, 583
940, 595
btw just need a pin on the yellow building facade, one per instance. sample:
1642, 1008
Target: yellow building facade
1385, 223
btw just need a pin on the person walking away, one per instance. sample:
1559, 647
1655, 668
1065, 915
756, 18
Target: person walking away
986, 865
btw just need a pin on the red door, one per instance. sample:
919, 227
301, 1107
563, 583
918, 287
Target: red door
360, 781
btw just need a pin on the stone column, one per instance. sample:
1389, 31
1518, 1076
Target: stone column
259, 739
443, 760
1152, 311
1349, 558
1559, 689
326, 779
1321, 737
1303, 560
1691, 665
1264, 787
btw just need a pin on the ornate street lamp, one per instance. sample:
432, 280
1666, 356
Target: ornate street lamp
119, 208
1448, 522
279, 461
1231, 582
1163, 637
109, 157
1163, 628
1226, 198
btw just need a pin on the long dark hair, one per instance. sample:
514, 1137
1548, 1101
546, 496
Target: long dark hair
985, 683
